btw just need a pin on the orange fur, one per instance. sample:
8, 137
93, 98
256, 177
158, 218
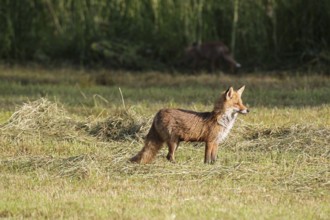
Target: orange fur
171, 126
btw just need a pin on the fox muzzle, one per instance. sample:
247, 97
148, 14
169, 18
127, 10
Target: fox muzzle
244, 111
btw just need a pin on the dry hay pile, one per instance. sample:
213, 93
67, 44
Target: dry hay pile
125, 125
42, 122
45, 118
41, 117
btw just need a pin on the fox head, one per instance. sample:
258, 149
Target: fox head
231, 100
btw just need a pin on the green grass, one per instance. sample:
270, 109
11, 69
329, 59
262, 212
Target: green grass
65, 154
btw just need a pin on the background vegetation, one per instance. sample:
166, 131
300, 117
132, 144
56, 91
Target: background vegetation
140, 34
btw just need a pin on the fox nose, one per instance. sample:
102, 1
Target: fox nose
247, 110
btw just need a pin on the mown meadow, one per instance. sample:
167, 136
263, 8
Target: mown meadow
66, 136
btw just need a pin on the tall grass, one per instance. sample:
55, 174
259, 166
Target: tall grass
144, 33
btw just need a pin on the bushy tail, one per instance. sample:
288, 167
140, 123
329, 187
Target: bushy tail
153, 144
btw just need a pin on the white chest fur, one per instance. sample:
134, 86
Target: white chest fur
226, 121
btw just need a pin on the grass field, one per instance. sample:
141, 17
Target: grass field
66, 136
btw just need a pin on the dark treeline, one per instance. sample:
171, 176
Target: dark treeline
142, 34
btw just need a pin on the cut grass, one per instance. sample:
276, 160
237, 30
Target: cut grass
69, 160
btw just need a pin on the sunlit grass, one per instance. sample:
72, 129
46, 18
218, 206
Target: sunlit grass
64, 153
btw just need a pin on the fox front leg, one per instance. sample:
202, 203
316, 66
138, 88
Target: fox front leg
208, 152
214, 153
211, 150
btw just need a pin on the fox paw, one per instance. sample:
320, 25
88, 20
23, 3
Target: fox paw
170, 158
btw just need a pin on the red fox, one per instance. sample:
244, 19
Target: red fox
171, 126
211, 54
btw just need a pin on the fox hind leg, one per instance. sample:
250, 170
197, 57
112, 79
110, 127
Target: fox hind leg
153, 144
148, 152
172, 146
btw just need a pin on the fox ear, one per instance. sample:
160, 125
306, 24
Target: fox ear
229, 93
241, 90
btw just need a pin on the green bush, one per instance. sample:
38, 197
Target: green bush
153, 33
